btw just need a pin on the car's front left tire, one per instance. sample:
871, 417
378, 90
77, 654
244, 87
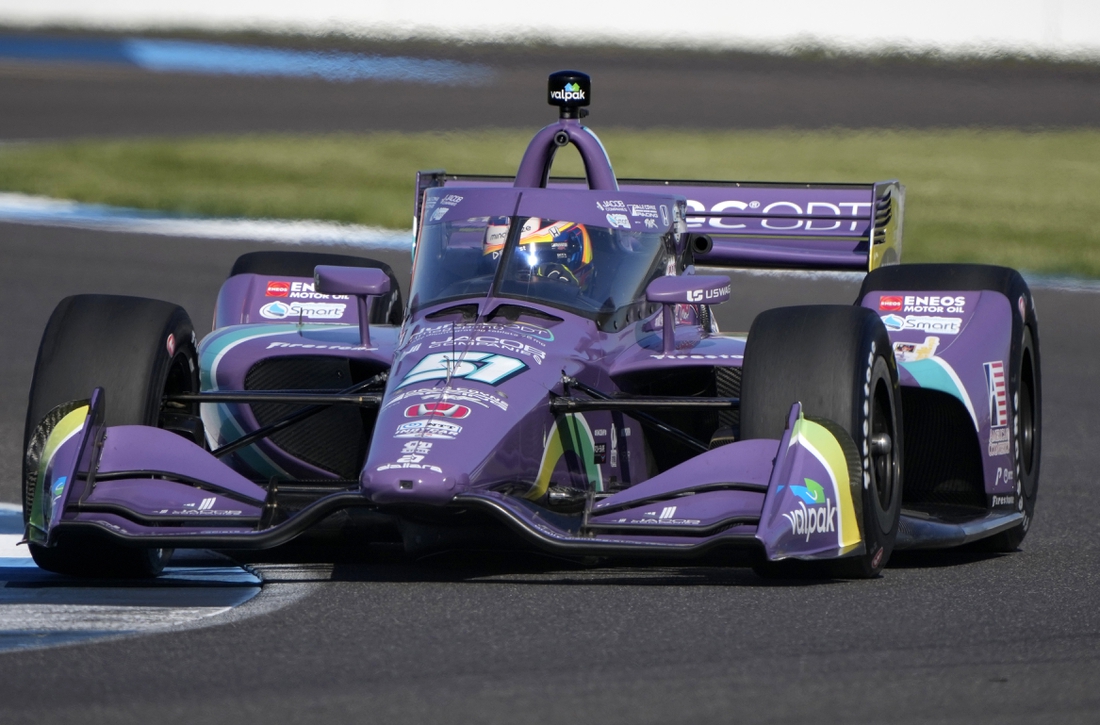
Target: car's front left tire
138, 350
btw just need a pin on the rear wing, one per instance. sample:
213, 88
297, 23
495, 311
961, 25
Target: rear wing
763, 224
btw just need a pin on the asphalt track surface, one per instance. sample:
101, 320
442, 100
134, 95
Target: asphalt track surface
631, 89
371, 637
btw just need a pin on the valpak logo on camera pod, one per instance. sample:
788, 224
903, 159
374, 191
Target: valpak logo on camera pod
571, 92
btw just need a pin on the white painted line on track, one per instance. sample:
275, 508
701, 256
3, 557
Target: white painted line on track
40, 609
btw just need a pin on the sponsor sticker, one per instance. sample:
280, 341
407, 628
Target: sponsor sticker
315, 346
643, 210
439, 213
520, 329
509, 345
308, 310
1004, 500
998, 442
618, 220
437, 410
429, 428
278, 289
571, 92
306, 291
664, 215
941, 325
890, 303
450, 200
697, 357
934, 303
913, 351
706, 295
465, 395
815, 514
613, 205
665, 516
599, 453
998, 393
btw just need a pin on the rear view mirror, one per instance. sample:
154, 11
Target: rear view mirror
359, 282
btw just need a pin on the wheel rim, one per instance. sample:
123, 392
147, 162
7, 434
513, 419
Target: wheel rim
883, 445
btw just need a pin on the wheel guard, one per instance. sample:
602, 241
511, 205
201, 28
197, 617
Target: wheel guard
798, 497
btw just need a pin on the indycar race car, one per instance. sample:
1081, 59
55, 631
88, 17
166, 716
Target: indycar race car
555, 380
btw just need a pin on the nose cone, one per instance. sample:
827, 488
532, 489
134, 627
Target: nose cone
412, 483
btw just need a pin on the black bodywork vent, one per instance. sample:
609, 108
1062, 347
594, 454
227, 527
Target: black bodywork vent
335, 439
700, 424
942, 460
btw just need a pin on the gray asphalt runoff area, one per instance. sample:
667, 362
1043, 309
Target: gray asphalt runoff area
365, 635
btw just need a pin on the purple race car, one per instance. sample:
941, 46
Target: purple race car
556, 380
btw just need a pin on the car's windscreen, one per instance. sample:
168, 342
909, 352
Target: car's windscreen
584, 268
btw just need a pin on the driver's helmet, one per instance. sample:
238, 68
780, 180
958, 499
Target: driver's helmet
556, 251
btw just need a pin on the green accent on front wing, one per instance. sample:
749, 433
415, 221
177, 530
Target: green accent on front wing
65, 429
571, 434
817, 439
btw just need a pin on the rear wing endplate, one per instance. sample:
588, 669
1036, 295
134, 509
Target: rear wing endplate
763, 224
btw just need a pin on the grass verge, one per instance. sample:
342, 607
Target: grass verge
1026, 200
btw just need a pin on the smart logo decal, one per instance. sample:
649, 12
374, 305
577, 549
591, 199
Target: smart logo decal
308, 310
941, 325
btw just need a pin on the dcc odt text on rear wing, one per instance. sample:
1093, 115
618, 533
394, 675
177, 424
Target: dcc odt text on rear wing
764, 224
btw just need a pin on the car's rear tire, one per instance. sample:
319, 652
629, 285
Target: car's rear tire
385, 310
837, 361
1025, 380
137, 350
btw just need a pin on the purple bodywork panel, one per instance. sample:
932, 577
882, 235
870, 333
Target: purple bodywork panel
254, 298
959, 343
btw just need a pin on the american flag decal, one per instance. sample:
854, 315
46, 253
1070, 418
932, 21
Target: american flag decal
998, 393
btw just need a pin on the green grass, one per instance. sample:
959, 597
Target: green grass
1027, 200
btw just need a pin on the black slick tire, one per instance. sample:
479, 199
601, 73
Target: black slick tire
838, 362
386, 310
137, 350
